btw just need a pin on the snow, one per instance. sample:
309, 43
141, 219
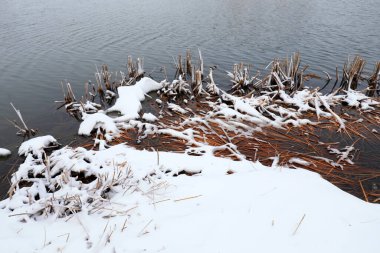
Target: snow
176, 108
298, 161
149, 117
119, 199
96, 121
4, 152
357, 99
344, 155
36, 145
130, 97
257, 208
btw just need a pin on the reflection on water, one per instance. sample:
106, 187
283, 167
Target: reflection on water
44, 42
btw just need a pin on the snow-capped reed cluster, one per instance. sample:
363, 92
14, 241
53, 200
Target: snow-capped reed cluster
190, 82
194, 116
104, 92
66, 182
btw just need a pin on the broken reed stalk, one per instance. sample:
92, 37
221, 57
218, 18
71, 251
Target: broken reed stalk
135, 71
98, 78
106, 76
197, 88
336, 74
352, 72
200, 61
18, 112
22, 130
211, 86
69, 96
140, 68
131, 67
189, 68
373, 81
180, 65
364, 192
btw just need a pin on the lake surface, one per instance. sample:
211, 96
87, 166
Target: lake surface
45, 42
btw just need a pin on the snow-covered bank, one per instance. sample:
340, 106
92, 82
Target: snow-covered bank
119, 199
256, 208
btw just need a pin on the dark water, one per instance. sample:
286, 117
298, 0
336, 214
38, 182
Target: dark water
44, 42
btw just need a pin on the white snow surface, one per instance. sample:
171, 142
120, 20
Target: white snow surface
299, 161
4, 152
95, 121
130, 97
36, 145
359, 100
144, 201
149, 117
254, 209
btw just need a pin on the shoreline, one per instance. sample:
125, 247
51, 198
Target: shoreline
193, 158
271, 142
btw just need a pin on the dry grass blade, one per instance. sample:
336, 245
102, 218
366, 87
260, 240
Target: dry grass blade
22, 130
352, 73
373, 81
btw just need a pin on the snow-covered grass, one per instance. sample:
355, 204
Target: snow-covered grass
149, 117
96, 121
119, 199
36, 145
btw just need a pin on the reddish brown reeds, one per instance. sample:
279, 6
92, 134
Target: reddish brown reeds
342, 157
352, 71
309, 143
373, 81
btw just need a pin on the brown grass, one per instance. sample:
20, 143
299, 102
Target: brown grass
308, 142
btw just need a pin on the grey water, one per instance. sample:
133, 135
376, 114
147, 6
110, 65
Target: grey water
44, 42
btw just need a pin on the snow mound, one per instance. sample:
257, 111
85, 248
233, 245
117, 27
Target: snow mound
36, 145
96, 121
130, 97
4, 152
149, 117
93, 200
